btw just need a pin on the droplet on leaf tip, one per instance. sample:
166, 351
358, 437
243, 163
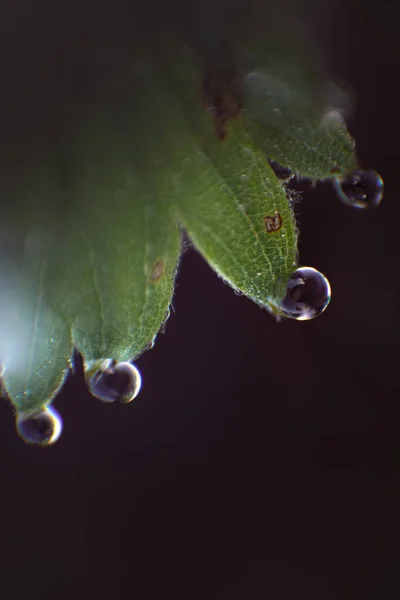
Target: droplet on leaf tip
308, 293
115, 382
360, 188
42, 428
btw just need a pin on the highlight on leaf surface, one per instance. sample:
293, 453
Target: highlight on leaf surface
176, 137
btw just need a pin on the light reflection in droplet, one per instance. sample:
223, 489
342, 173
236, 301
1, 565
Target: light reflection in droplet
42, 428
115, 382
360, 188
308, 293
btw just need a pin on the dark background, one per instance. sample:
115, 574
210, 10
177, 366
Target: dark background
261, 459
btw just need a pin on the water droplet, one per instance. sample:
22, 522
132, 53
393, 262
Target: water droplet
361, 189
116, 382
42, 428
308, 293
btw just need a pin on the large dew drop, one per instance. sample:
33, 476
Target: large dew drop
360, 189
115, 382
308, 293
42, 428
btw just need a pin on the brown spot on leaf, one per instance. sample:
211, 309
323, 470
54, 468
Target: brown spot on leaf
335, 170
157, 271
273, 223
221, 95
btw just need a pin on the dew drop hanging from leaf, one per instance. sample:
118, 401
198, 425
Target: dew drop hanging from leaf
115, 382
360, 188
42, 428
308, 293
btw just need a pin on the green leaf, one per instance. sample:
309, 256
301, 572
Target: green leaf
291, 108
237, 192
96, 216
286, 121
35, 341
102, 263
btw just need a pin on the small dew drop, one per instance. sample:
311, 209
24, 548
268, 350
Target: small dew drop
42, 428
308, 293
116, 382
360, 189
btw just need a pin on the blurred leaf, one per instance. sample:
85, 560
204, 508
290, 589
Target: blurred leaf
292, 128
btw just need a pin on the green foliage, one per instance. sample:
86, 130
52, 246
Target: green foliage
288, 125
97, 213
